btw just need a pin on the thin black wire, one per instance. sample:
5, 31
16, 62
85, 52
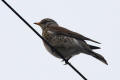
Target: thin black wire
53, 49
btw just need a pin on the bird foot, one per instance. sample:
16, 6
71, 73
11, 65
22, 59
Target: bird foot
66, 62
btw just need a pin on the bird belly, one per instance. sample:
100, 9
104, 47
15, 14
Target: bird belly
67, 46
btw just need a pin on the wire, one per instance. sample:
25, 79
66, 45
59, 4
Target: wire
53, 49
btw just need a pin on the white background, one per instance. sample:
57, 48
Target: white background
23, 56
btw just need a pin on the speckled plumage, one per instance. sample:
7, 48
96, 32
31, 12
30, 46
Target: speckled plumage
67, 42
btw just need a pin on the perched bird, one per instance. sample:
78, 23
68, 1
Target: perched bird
67, 42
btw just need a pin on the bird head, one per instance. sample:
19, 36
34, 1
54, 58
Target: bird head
46, 22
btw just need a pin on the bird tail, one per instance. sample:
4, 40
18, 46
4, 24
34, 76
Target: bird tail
93, 47
99, 57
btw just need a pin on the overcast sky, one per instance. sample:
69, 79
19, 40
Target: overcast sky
23, 56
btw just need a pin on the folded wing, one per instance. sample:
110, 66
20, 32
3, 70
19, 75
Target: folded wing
66, 32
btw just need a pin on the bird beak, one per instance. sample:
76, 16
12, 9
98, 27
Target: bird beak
37, 23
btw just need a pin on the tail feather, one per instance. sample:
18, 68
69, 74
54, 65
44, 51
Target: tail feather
99, 57
93, 40
93, 47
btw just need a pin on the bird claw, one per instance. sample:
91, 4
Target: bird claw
66, 62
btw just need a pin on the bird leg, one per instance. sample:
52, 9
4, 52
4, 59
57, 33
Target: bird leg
66, 59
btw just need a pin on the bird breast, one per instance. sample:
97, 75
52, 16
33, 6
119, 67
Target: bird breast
65, 45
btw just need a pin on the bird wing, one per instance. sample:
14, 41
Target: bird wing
93, 47
57, 30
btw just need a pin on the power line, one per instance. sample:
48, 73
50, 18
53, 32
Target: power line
53, 49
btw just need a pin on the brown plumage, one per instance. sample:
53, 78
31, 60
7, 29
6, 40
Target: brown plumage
57, 30
67, 42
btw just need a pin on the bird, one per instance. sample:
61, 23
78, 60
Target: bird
67, 42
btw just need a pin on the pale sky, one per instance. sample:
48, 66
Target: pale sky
23, 56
